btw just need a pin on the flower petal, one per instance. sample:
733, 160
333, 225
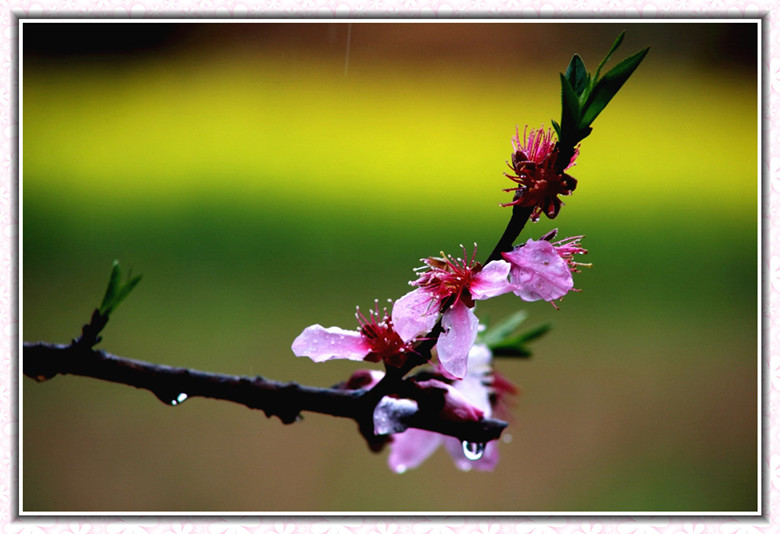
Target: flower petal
538, 272
457, 407
322, 344
491, 281
414, 314
473, 384
460, 330
411, 448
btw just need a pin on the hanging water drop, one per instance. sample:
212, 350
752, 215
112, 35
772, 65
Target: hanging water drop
171, 398
473, 451
178, 399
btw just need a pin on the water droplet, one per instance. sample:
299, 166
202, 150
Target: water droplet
178, 399
400, 469
171, 398
473, 451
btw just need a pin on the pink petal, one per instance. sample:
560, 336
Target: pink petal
457, 407
460, 330
322, 344
473, 387
414, 314
487, 462
491, 281
538, 272
364, 379
411, 448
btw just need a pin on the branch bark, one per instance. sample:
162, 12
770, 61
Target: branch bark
285, 400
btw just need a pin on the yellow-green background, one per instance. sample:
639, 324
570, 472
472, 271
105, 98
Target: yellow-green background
265, 177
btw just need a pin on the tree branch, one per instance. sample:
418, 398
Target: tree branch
513, 228
42, 361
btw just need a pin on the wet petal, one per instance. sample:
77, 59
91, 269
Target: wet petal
473, 384
538, 272
322, 344
414, 314
457, 407
460, 330
491, 281
411, 448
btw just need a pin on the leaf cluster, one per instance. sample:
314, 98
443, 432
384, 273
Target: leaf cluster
505, 338
584, 96
117, 290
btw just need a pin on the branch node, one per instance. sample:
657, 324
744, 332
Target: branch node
90, 332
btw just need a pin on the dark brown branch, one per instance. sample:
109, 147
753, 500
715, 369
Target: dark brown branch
42, 361
516, 224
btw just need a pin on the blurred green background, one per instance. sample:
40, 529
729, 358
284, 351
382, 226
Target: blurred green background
267, 176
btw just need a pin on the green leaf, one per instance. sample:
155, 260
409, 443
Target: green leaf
516, 346
556, 127
533, 333
497, 334
570, 114
113, 286
116, 292
128, 287
608, 86
577, 75
612, 49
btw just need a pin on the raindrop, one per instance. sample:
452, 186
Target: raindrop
181, 397
473, 451
171, 398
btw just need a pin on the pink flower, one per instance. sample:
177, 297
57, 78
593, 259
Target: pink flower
413, 446
541, 270
534, 163
375, 341
449, 286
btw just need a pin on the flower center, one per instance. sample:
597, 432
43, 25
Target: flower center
448, 279
385, 343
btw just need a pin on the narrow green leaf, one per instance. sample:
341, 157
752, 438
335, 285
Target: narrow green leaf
577, 75
608, 86
497, 334
116, 291
569, 134
570, 113
556, 127
113, 286
126, 289
582, 133
612, 49
516, 346
533, 333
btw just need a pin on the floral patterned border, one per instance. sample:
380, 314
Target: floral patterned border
635, 9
